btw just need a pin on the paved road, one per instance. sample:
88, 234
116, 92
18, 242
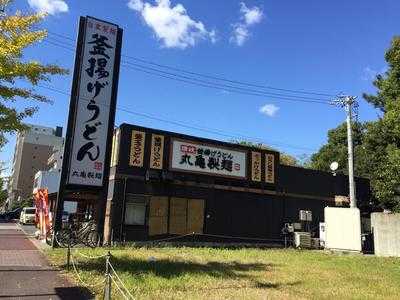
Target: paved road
25, 273
28, 229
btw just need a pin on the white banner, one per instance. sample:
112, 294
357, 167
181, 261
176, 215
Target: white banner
93, 104
213, 160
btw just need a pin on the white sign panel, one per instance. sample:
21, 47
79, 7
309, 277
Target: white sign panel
193, 157
93, 104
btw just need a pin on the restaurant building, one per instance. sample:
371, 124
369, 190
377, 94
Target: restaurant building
164, 184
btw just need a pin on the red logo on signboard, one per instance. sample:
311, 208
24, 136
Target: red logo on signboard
236, 167
188, 149
98, 166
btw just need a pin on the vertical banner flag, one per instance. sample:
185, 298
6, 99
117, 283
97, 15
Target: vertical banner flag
94, 104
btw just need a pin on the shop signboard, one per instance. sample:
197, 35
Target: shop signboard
255, 166
214, 160
93, 101
156, 151
137, 149
269, 168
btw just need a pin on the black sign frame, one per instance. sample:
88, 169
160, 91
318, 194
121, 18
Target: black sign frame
65, 188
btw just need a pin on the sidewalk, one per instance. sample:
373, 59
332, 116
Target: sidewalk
25, 273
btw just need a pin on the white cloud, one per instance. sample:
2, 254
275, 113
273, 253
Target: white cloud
269, 110
171, 24
51, 7
248, 18
240, 34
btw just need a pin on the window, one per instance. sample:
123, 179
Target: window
135, 209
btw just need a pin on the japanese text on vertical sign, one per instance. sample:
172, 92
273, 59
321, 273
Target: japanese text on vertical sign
157, 151
137, 149
269, 168
93, 103
255, 166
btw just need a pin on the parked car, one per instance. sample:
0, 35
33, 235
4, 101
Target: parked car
27, 215
14, 214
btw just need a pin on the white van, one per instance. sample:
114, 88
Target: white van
27, 215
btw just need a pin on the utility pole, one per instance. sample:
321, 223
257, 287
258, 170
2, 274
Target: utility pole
350, 104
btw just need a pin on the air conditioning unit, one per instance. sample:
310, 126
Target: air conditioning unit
302, 239
305, 215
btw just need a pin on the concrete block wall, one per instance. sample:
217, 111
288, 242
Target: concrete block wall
386, 230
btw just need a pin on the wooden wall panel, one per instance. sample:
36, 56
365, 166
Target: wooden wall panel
158, 216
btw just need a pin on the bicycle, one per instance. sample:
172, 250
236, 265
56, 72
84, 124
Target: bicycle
72, 235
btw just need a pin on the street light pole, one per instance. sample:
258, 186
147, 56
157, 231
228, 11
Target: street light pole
349, 103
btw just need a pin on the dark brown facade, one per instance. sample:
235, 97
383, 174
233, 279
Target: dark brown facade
163, 184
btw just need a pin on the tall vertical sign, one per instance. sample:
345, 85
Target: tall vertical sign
88, 141
94, 104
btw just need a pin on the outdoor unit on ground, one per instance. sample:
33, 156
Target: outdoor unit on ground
302, 239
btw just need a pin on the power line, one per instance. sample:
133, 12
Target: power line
227, 80
211, 76
189, 126
62, 36
226, 89
55, 43
208, 84
225, 85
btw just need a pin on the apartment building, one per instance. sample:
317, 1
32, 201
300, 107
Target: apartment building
34, 149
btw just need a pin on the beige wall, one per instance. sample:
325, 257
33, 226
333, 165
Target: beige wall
34, 158
32, 151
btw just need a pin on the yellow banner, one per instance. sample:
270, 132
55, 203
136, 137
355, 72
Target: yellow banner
269, 168
157, 151
137, 149
255, 166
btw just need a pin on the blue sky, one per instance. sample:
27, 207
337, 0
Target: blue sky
323, 46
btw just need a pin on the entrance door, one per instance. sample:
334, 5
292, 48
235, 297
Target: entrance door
186, 216
177, 215
158, 216
195, 215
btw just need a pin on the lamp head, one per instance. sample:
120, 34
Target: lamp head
334, 166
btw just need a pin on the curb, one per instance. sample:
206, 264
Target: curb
37, 243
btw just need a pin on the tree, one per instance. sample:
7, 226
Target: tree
388, 85
16, 34
3, 192
285, 159
377, 143
383, 144
336, 150
3, 187
28, 202
387, 180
